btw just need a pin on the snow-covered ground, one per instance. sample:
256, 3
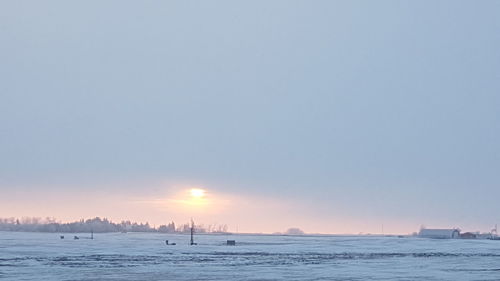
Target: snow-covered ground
144, 256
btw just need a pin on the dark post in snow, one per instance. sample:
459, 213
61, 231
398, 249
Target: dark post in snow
192, 233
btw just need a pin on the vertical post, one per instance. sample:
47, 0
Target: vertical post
192, 232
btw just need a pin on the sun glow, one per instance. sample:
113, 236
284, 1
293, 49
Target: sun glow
193, 200
197, 193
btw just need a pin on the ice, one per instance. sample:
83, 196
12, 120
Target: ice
144, 256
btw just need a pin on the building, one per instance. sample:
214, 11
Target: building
468, 235
439, 233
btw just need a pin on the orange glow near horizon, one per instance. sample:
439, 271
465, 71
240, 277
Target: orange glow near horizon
207, 205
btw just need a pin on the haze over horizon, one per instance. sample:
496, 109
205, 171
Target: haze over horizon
329, 116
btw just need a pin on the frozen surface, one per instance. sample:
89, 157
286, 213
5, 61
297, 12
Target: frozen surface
144, 256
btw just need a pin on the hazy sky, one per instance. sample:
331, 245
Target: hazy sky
331, 116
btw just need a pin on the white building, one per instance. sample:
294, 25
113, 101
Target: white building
439, 233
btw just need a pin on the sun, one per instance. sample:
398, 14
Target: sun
197, 193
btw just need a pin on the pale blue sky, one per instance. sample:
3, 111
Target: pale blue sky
376, 110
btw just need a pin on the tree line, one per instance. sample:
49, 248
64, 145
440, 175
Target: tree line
100, 225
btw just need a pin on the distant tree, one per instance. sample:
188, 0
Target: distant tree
294, 231
171, 227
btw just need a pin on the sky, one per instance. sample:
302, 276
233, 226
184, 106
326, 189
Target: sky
330, 116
